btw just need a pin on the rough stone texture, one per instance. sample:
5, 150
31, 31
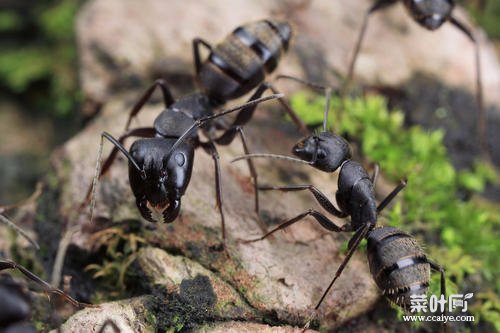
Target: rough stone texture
239, 327
171, 271
129, 315
122, 42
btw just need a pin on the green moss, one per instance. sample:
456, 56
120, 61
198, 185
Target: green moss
41, 33
462, 234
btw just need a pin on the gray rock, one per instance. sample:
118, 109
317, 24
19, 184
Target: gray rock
239, 327
179, 274
130, 316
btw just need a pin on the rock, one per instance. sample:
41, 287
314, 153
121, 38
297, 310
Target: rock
239, 327
125, 43
130, 316
194, 284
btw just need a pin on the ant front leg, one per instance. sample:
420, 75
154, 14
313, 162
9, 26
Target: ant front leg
167, 99
380, 4
320, 197
482, 114
227, 138
209, 147
324, 221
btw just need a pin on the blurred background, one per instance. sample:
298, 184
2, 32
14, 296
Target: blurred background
43, 103
41, 100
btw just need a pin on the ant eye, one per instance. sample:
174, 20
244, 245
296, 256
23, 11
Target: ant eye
321, 154
180, 159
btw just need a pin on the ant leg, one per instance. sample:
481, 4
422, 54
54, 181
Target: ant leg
482, 114
209, 147
196, 53
394, 192
288, 109
199, 122
320, 218
438, 268
355, 240
320, 197
326, 89
246, 113
227, 138
8, 264
167, 99
380, 4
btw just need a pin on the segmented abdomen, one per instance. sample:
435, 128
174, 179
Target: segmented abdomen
241, 61
398, 264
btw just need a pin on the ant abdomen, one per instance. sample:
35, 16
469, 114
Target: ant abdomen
242, 60
398, 264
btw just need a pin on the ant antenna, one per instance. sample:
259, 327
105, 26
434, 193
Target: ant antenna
120, 147
328, 94
203, 120
327, 89
272, 156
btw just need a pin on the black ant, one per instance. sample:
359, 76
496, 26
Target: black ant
431, 14
160, 166
397, 262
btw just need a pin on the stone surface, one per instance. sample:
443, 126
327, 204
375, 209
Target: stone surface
126, 42
128, 315
174, 272
239, 327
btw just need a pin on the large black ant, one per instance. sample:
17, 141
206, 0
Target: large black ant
431, 14
160, 166
397, 262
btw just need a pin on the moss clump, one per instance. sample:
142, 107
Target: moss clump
191, 306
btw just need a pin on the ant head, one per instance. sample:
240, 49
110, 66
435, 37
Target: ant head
163, 179
431, 14
325, 151
284, 29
